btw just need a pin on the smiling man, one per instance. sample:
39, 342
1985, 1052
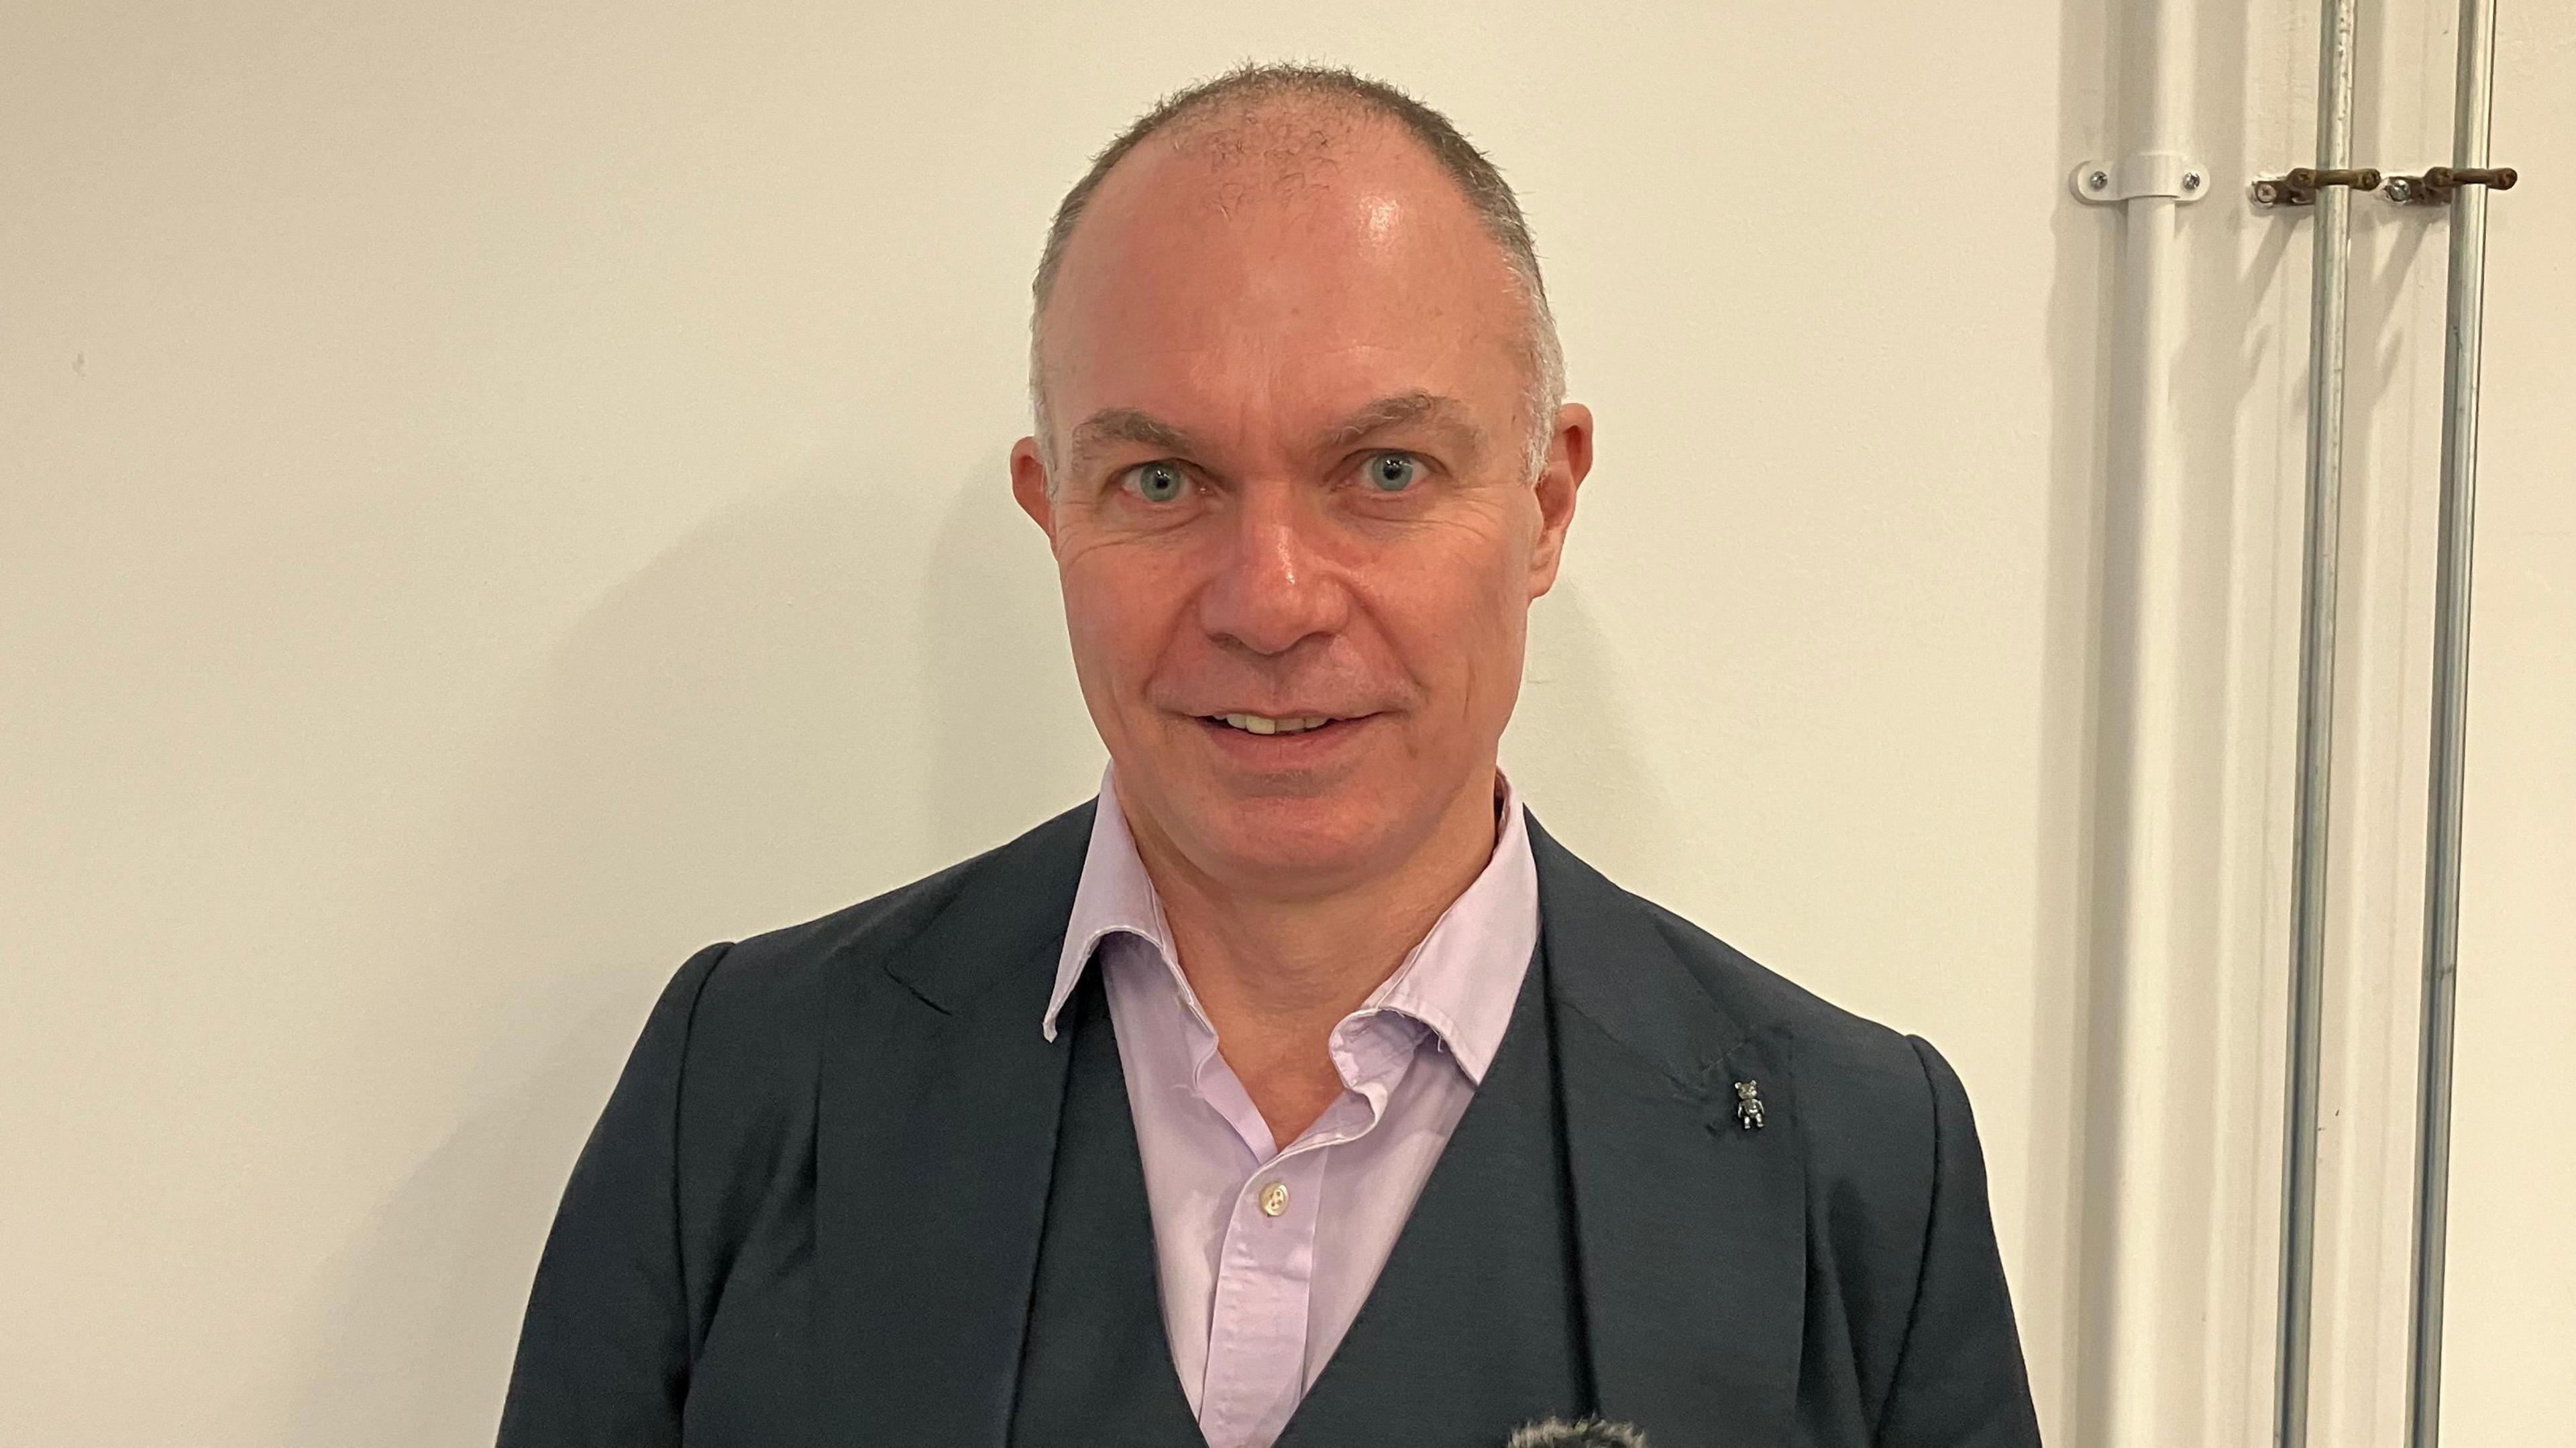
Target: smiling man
1298, 1090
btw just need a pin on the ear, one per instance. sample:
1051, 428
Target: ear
1569, 461
1029, 486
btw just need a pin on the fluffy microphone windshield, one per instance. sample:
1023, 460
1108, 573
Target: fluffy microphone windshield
1590, 1433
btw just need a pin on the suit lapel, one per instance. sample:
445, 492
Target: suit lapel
1690, 1230
935, 1142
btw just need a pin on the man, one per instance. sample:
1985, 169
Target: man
1300, 1089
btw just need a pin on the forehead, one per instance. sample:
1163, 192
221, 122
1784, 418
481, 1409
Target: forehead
1299, 263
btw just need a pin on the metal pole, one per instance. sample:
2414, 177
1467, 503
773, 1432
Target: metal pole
2316, 725
2450, 719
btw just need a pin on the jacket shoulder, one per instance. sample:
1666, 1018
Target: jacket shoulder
751, 1020
1826, 1036
752, 1015
1870, 1100
772, 985
1906, 1284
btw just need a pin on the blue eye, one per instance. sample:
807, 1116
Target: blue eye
1393, 472
1156, 482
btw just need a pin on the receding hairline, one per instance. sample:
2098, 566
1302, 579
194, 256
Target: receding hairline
1214, 112
1221, 109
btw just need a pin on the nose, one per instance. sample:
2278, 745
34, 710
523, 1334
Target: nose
1275, 584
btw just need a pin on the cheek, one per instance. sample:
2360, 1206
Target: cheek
1458, 620
1118, 621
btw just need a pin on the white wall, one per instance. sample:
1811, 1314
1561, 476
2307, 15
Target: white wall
493, 497
2512, 1264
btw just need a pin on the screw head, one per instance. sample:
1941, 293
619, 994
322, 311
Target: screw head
2190, 180
2097, 180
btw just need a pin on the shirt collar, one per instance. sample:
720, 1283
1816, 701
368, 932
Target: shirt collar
1462, 980
1115, 895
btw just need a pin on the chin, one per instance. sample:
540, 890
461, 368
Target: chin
1281, 838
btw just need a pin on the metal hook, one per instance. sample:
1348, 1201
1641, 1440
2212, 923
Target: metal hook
2435, 186
2300, 186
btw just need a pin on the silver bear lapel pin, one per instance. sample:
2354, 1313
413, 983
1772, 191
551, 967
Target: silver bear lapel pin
1748, 1105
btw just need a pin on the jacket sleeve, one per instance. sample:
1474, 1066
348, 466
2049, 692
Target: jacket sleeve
604, 1353
1960, 1382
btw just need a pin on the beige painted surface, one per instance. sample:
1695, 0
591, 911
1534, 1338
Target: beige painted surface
2511, 1315
493, 497
2512, 1319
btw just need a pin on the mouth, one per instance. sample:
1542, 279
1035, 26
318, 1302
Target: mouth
1271, 741
1268, 724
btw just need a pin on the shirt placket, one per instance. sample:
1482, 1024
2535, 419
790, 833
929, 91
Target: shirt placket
1265, 1278
1256, 1364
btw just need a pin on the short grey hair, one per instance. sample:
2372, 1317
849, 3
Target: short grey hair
1250, 85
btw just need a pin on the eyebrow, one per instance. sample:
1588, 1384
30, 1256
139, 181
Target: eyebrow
1428, 408
1126, 424
1114, 425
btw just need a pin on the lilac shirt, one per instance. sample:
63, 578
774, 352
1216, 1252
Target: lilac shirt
1266, 1254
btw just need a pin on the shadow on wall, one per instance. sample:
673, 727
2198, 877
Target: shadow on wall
1571, 748
1013, 735
782, 713
768, 721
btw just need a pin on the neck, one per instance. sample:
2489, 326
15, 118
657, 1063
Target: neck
1276, 975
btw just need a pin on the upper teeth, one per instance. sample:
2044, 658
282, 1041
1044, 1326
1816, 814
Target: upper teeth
1256, 724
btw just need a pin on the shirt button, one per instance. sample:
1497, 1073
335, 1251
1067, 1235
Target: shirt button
1274, 1199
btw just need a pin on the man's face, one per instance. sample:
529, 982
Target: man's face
1292, 485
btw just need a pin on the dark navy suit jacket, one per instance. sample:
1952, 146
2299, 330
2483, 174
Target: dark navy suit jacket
810, 1214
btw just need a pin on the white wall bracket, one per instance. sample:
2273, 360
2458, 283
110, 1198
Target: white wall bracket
2141, 173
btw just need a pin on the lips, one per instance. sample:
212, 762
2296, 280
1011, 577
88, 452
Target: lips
1268, 724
